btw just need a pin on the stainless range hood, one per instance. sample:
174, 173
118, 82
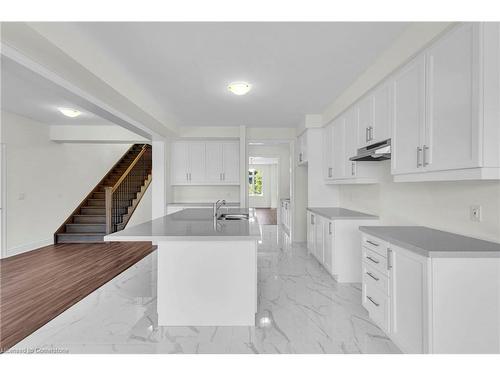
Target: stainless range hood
376, 152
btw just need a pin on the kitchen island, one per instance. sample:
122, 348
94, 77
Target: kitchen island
207, 267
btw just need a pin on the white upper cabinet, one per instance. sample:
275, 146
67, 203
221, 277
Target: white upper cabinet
409, 117
196, 153
231, 163
328, 152
339, 149
451, 132
365, 111
382, 118
214, 164
205, 163
302, 148
447, 108
350, 142
180, 163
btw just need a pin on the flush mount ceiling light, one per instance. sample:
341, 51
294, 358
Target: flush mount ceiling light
70, 112
239, 88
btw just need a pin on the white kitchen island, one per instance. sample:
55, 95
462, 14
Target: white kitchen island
207, 269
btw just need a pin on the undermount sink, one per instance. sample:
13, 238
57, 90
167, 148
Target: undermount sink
234, 217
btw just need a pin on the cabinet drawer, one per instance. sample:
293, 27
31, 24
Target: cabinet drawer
375, 279
377, 261
375, 244
377, 305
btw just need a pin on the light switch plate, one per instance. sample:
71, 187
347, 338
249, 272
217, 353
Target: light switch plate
475, 213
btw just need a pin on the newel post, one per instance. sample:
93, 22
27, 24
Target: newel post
108, 201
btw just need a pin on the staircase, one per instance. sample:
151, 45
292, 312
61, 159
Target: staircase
112, 202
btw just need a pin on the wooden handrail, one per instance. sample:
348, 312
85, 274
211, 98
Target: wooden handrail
125, 174
110, 190
77, 209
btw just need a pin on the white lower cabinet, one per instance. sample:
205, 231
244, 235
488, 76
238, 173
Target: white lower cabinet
335, 244
408, 287
432, 305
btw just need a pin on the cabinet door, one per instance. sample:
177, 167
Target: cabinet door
364, 110
213, 160
318, 238
451, 136
339, 148
408, 302
197, 162
408, 117
382, 113
328, 152
179, 166
310, 233
231, 172
351, 137
328, 245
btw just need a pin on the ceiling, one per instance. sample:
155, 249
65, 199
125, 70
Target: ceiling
295, 68
30, 95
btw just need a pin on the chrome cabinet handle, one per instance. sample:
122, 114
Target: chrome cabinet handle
353, 172
330, 172
223, 176
329, 228
424, 153
372, 301
300, 157
373, 260
373, 277
419, 153
187, 176
372, 243
366, 134
389, 260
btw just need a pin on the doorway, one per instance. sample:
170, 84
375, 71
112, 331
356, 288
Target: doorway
263, 188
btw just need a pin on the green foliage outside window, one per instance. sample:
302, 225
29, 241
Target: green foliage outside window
254, 182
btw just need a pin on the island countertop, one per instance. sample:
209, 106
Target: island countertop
434, 243
192, 224
339, 213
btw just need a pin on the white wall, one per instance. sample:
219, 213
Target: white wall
269, 197
204, 194
440, 205
94, 134
411, 41
45, 180
143, 210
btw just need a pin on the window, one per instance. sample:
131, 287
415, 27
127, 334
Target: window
254, 182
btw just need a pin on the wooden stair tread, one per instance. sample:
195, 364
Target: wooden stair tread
86, 222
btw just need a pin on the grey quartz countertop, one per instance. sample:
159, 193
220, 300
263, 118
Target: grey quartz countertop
434, 243
192, 224
204, 204
339, 213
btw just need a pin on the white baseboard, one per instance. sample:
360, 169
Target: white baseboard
29, 246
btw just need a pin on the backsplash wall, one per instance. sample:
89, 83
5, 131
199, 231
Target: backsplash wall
204, 194
439, 205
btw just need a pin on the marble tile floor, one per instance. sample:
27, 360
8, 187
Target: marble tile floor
301, 309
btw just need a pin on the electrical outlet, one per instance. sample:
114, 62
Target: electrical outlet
475, 213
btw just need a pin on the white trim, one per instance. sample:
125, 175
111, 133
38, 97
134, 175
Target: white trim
102, 109
29, 247
3, 200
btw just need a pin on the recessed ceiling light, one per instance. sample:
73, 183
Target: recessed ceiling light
239, 88
70, 112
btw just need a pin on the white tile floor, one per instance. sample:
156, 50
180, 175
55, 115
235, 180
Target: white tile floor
301, 310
